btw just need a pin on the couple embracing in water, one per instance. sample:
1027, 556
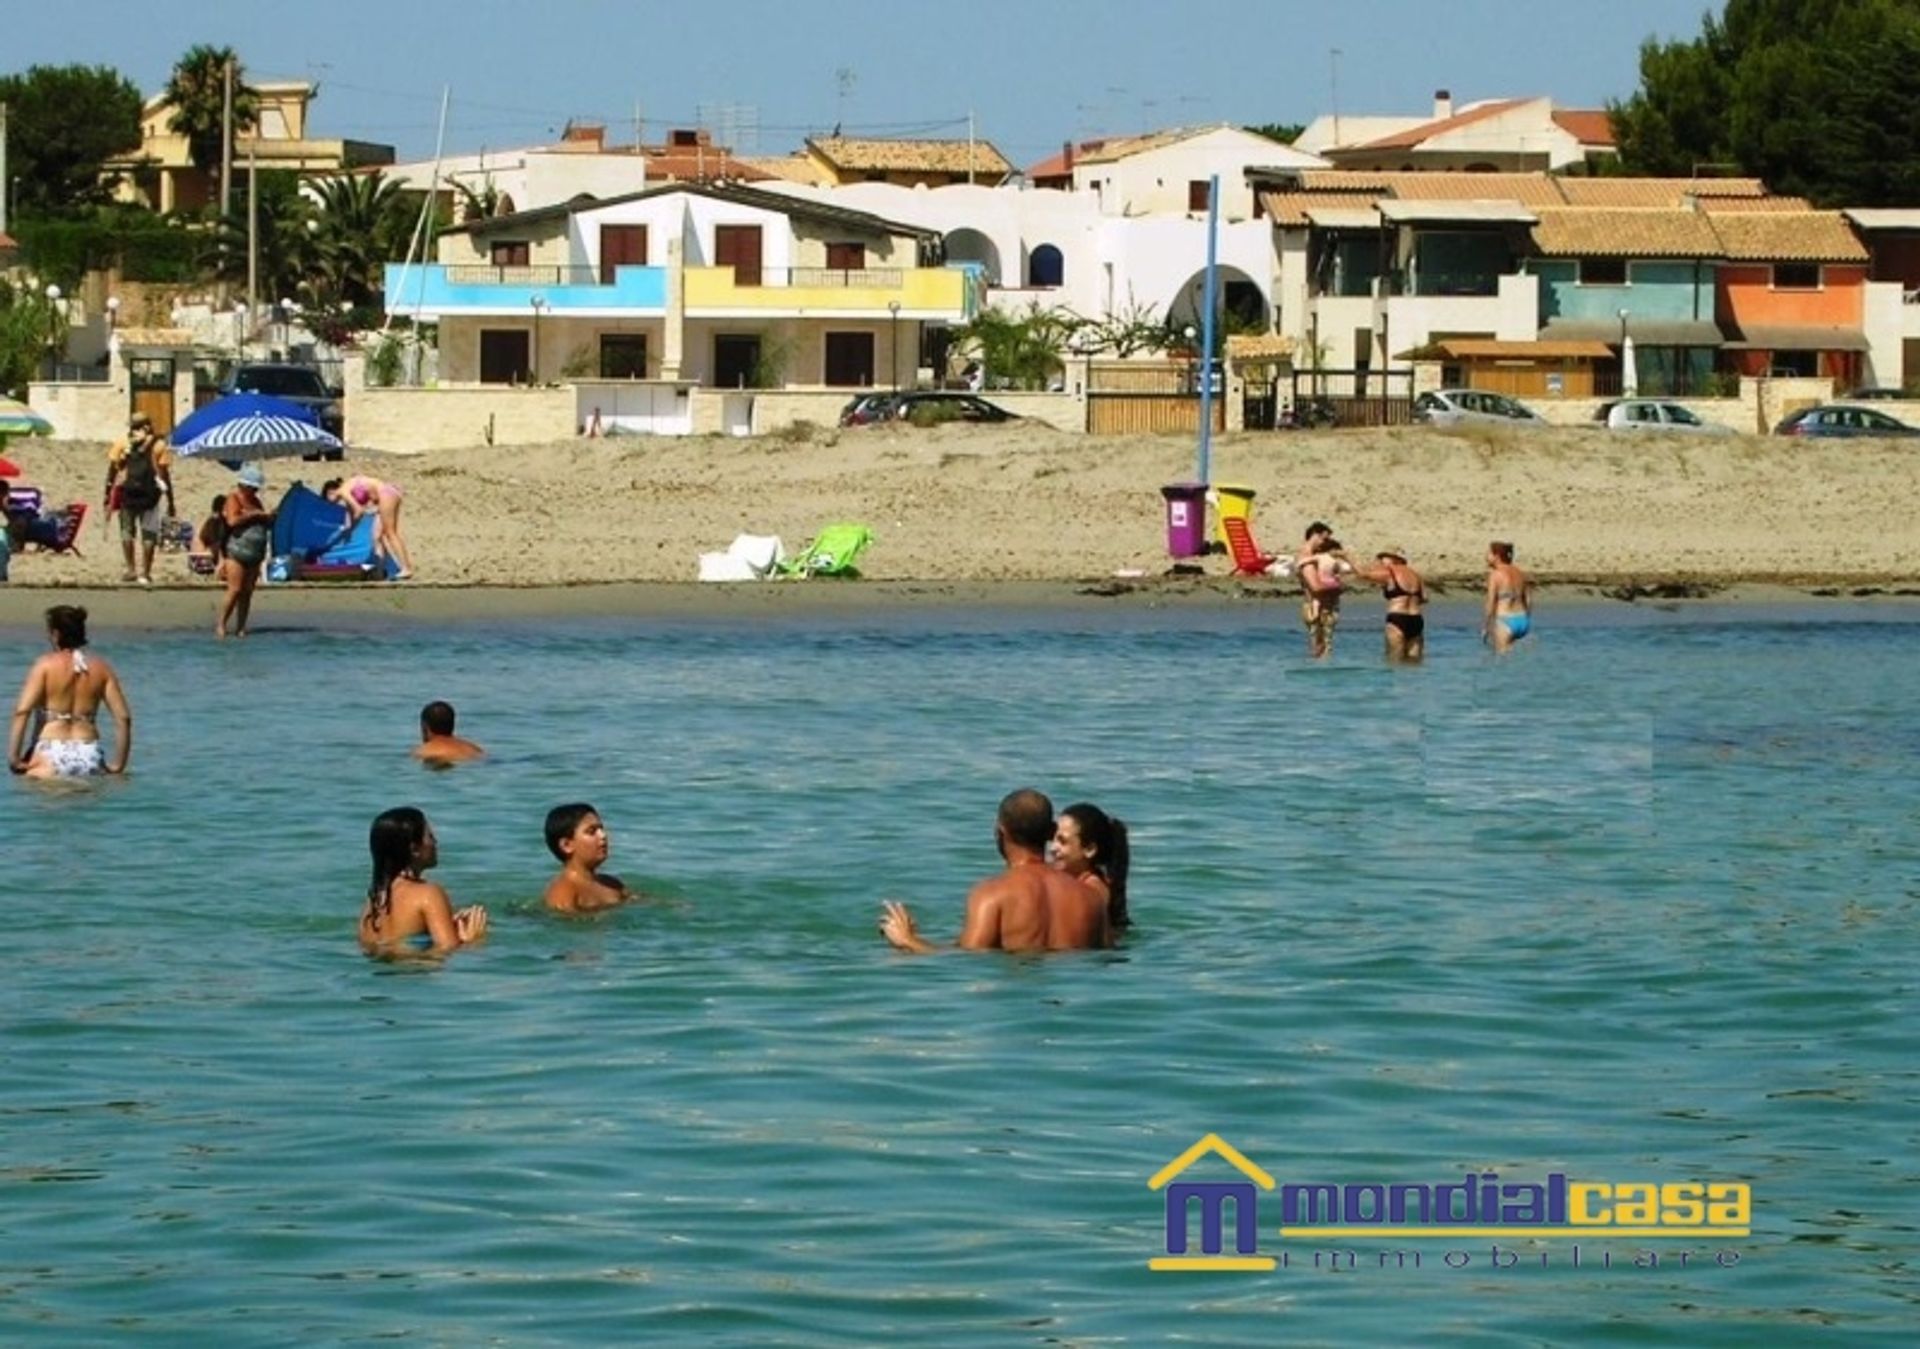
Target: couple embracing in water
1076, 901
406, 913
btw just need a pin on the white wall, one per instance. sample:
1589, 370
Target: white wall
1155, 181
1888, 321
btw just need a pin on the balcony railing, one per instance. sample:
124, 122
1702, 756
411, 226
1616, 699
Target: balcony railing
537, 274
1441, 284
832, 278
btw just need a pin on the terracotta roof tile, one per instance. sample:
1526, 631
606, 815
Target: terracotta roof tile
909, 155
792, 168
1529, 189
1654, 191
1407, 140
1633, 232
1588, 126
1748, 205
1120, 147
1290, 208
1777, 236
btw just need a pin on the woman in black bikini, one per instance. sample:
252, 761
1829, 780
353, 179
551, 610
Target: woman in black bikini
1406, 596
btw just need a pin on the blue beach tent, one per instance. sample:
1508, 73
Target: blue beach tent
307, 532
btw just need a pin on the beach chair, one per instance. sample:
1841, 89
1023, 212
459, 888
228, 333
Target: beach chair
60, 534
833, 552
1248, 560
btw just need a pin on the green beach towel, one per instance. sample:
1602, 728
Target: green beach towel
833, 552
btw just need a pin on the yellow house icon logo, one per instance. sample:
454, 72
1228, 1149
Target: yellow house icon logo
1213, 1199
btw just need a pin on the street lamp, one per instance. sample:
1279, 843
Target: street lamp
54, 316
240, 331
539, 302
893, 338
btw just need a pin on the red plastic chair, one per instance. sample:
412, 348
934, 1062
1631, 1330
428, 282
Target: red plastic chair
1248, 560
66, 535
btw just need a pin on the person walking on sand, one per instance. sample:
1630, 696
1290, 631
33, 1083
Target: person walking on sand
1029, 906
139, 477
361, 494
406, 913
439, 747
1509, 611
66, 688
1406, 596
249, 537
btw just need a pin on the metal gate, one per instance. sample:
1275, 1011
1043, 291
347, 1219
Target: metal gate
1359, 397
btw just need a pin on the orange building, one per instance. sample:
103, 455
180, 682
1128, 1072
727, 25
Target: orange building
1791, 294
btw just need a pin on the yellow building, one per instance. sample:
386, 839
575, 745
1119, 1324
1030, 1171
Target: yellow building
838, 160
162, 176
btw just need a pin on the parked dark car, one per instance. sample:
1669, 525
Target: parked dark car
1842, 419
300, 384
945, 406
867, 409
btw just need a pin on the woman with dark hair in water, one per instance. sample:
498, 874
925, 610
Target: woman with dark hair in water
66, 688
405, 912
1091, 846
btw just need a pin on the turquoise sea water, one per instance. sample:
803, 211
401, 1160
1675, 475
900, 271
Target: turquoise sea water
1637, 903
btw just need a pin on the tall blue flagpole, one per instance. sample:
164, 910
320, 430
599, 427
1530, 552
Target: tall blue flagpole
1203, 471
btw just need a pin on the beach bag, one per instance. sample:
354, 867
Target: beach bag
140, 488
249, 546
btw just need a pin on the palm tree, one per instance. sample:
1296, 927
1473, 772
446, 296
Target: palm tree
364, 223
287, 245
196, 90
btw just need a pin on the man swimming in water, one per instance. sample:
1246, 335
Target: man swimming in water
1027, 907
439, 746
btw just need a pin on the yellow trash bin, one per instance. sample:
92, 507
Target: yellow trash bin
1236, 503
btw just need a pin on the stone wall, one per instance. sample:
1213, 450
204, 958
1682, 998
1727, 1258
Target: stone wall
409, 421
85, 411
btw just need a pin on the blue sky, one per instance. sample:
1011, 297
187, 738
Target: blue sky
1034, 72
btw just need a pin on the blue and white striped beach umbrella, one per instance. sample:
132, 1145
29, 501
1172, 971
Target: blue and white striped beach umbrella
251, 426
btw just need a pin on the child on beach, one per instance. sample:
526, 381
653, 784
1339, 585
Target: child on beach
210, 544
576, 835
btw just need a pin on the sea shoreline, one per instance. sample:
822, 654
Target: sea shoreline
187, 607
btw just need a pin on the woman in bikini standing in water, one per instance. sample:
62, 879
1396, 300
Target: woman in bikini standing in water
66, 687
1406, 596
361, 494
1509, 613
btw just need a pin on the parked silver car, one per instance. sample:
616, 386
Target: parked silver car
1654, 414
1456, 407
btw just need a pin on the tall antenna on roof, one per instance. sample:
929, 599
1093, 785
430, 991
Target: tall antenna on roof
845, 78
1333, 82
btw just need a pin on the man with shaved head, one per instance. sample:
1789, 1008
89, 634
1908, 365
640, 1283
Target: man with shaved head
1027, 907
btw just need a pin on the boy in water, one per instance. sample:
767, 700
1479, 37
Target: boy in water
576, 835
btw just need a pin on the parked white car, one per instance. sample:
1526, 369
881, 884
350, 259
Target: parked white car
1455, 407
1653, 414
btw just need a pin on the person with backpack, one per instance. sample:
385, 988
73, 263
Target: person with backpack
139, 477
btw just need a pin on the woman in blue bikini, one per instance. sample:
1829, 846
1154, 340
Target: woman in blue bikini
1509, 613
406, 913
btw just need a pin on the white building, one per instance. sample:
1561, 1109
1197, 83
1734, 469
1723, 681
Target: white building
1166, 172
1061, 249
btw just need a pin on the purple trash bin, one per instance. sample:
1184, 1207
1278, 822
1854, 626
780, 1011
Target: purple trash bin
1186, 518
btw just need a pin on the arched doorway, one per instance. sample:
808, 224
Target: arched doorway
1046, 267
1240, 306
969, 245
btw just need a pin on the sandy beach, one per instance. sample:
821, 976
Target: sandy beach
967, 505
